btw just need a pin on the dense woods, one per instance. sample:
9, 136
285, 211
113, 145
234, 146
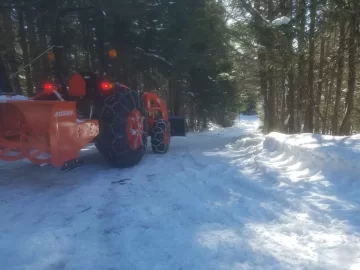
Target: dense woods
304, 54
294, 62
175, 48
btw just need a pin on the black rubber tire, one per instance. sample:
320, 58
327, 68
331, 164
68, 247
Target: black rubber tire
157, 136
112, 141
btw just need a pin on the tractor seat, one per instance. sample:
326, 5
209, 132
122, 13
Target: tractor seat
84, 85
83, 90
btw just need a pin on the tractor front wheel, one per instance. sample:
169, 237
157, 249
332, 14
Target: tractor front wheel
160, 136
123, 128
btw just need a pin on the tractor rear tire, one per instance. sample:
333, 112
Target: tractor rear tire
160, 136
123, 128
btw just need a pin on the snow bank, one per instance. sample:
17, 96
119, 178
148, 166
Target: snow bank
10, 97
310, 193
341, 154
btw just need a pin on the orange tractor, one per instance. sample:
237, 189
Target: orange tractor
53, 126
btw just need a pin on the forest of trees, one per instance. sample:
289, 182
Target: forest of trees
294, 62
176, 48
304, 54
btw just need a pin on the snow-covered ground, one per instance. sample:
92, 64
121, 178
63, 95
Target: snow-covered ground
222, 199
4, 98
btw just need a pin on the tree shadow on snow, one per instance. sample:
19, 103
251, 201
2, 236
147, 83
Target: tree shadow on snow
324, 184
188, 209
196, 207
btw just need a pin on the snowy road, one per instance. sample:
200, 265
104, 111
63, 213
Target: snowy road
224, 199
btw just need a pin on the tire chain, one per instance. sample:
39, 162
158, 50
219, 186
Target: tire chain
110, 107
158, 132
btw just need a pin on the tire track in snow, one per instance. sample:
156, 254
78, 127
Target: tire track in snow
211, 183
131, 225
152, 222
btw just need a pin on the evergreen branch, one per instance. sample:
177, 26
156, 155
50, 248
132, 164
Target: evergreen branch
255, 13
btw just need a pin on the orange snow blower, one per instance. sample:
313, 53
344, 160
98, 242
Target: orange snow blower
43, 132
53, 126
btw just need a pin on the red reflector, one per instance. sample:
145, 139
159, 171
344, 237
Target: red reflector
106, 86
49, 87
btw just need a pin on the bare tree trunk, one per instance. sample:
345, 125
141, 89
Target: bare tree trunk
286, 7
11, 53
291, 100
171, 97
263, 87
272, 96
25, 55
177, 99
270, 76
329, 83
328, 79
346, 123
301, 14
46, 68
328, 90
36, 74
339, 77
309, 127
262, 77
283, 97
5, 85
204, 122
86, 44
192, 116
320, 85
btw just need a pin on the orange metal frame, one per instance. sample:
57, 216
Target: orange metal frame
43, 131
154, 104
49, 131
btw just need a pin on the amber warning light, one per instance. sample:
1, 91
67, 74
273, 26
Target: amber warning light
113, 54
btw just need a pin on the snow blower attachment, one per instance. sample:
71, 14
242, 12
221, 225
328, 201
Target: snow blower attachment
43, 132
85, 107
